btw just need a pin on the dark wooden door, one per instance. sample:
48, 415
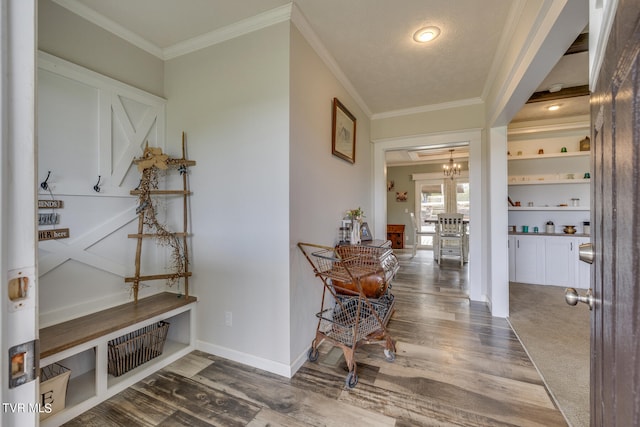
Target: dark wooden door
615, 321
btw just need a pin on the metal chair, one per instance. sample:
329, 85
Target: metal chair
450, 232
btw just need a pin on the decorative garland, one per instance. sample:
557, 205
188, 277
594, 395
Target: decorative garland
151, 165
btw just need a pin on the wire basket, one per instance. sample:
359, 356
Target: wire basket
135, 348
339, 323
346, 263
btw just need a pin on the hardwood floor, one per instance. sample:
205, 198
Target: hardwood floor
455, 365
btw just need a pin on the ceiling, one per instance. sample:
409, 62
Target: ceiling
370, 42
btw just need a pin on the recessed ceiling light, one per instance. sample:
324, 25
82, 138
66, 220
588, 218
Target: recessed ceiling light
557, 87
553, 107
426, 34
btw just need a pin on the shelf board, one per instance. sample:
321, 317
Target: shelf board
549, 208
161, 192
550, 182
549, 156
63, 336
151, 235
520, 233
156, 277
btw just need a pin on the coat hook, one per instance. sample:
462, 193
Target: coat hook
97, 186
44, 184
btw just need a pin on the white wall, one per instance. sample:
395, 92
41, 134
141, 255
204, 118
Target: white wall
232, 100
323, 187
88, 126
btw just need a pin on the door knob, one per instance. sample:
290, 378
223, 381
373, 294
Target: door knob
585, 252
572, 297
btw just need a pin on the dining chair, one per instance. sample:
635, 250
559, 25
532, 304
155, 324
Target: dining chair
417, 232
450, 231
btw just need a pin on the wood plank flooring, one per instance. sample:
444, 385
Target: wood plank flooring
455, 365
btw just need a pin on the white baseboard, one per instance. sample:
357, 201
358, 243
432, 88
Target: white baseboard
251, 360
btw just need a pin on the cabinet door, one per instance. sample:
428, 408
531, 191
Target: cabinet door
529, 259
560, 261
511, 242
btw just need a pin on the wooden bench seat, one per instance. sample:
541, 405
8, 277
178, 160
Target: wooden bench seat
63, 336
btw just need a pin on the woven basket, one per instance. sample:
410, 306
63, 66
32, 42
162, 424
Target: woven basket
135, 348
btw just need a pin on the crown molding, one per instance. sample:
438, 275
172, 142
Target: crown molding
307, 32
240, 28
111, 26
427, 108
245, 26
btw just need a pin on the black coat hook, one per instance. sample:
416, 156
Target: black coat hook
44, 184
96, 187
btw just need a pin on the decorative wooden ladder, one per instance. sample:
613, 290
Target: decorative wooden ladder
154, 158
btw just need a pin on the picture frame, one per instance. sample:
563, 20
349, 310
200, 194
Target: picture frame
343, 135
365, 233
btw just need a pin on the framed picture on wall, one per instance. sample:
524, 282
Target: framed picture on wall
343, 135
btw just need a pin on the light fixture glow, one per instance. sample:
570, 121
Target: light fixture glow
553, 107
426, 34
451, 169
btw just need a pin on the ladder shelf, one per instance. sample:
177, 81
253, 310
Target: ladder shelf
152, 161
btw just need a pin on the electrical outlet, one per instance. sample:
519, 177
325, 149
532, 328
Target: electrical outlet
228, 318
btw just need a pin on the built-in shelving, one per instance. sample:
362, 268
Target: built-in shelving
81, 345
536, 181
548, 208
548, 156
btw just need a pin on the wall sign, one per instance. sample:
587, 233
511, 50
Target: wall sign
60, 233
52, 204
48, 219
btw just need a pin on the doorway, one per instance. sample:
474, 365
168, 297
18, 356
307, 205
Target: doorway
472, 138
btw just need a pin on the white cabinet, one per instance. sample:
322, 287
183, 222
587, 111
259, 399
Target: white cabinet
547, 260
559, 258
529, 259
511, 245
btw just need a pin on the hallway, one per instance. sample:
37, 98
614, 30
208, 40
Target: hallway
455, 365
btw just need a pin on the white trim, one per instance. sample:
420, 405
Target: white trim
240, 28
557, 127
103, 22
477, 285
78, 249
245, 26
530, 48
497, 221
435, 175
246, 359
505, 40
600, 23
307, 32
70, 70
428, 108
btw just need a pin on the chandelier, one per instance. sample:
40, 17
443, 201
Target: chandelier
451, 169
